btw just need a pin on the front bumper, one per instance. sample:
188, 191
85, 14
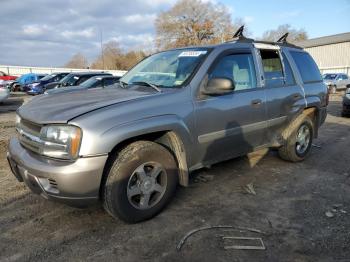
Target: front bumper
74, 183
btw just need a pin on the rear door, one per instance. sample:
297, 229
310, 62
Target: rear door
232, 124
284, 97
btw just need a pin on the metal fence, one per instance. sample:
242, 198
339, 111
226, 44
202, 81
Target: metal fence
20, 70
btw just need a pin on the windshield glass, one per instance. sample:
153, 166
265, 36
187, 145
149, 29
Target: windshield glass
329, 76
92, 82
69, 79
48, 77
64, 79
166, 69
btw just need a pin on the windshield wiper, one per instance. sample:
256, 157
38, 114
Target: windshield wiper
123, 84
148, 84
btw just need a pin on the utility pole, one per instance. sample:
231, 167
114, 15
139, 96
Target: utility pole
102, 55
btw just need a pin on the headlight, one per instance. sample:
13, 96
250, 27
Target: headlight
61, 141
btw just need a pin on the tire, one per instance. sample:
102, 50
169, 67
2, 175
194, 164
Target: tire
289, 151
131, 179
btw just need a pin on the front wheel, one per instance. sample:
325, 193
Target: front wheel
299, 138
141, 181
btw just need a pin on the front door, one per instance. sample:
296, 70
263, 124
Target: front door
232, 124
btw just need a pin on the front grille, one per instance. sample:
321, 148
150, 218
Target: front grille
29, 135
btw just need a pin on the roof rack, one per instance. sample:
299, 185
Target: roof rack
238, 36
283, 38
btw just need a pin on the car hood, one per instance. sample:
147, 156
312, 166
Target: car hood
61, 108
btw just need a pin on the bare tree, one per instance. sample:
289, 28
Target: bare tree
116, 59
77, 61
193, 22
111, 53
295, 35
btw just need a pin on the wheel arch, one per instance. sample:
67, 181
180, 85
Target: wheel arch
170, 139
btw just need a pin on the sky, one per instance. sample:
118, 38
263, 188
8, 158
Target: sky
50, 32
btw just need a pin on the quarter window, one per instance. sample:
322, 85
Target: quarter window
239, 68
288, 72
307, 67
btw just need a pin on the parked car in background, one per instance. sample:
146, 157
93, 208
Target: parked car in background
92, 82
6, 77
346, 102
336, 81
21, 83
74, 79
37, 88
175, 112
4, 92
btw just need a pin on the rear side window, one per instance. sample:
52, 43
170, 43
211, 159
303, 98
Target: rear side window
307, 67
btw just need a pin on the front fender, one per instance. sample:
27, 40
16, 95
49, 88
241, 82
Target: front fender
105, 142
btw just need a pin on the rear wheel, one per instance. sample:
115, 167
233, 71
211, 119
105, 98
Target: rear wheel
141, 181
299, 136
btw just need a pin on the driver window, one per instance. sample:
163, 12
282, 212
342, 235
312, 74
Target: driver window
239, 68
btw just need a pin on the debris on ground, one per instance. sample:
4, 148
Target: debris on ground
317, 146
203, 178
249, 188
329, 214
260, 244
190, 233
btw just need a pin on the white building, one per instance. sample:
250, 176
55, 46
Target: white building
331, 53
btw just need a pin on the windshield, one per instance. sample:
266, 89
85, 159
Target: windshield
166, 69
91, 82
48, 77
69, 79
329, 76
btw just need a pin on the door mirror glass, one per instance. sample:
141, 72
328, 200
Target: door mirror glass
219, 86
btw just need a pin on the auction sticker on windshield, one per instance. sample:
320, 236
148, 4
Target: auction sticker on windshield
192, 53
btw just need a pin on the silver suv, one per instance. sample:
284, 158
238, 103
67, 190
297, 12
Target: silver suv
336, 82
176, 111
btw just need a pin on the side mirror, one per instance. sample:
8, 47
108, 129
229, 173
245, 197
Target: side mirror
219, 86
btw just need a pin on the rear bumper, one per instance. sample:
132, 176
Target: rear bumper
74, 183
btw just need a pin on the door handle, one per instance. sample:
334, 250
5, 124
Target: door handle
256, 102
296, 96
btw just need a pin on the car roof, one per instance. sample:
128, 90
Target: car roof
89, 73
105, 76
